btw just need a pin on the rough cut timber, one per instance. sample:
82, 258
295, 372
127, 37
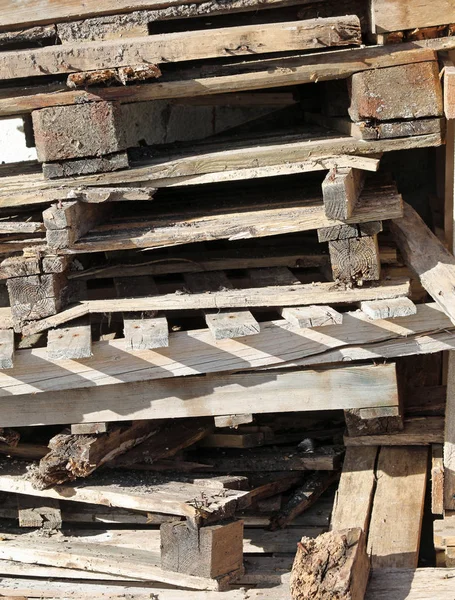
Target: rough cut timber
346, 232
396, 517
416, 431
66, 222
396, 15
424, 253
405, 92
340, 191
355, 259
72, 456
437, 479
297, 391
449, 438
311, 316
260, 74
361, 422
39, 512
182, 46
388, 309
36, 296
210, 551
197, 351
6, 348
85, 166
449, 91
334, 565
73, 342
92, 129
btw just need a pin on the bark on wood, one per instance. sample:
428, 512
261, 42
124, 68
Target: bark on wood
334, 565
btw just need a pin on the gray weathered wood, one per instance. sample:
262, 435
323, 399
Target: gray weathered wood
355, 259
39, 512
388, 309
311, 316
6, 348
340, 191
73, 342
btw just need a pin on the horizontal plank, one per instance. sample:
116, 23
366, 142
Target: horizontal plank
263, 74
396, 15
338, 388
418, 431
181, 46
196, 352
285, 295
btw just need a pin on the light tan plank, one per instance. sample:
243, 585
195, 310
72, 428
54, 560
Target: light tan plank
396, 15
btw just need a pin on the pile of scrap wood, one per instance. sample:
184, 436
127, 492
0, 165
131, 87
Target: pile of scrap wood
227, 299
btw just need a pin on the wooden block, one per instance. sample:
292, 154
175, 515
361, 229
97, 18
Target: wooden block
388, 309
333, 565
39, 512
396, 517
66, 222
311, 316
73, 342
395, 15
362, 423
437, 479
223, 324
355, 259
417, 431
6, 348
340, 191
92, 129
36, 296
102, 28
88, 428
233, 420
358, 480
404, 92
206, 552
427, 257
344, 232
86, 166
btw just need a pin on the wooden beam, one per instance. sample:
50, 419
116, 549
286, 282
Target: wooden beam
340, 191
396, 15
311, 316
396, 518
418, 431
355, 259
424, 253
196, 351
437, 479
304, 390
39, 512
73, 342
388, 309
271, 73
182, 46
449, 438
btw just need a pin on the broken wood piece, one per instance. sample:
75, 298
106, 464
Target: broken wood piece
73, 342
360, 422
88, 428
333, 565
388, 309
6, 348
39, 512
311, 316
355, 259
396, 516
85, 166
437, 479
402, 92
211, 551
358, 480
424, 253
223, 324
147, 330
340, 191
72, 456
417, 431
183, 46
123, 75
233, 421
302, 498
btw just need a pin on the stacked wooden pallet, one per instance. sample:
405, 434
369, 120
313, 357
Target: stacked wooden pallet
204, 241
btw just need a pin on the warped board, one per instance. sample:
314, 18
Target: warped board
197, 352
330, 389
245, 217
311, 143
276, 296
140, 492
251, 75
181, 46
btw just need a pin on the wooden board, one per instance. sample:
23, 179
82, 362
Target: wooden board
396, 15
256, 392
6, 348
182, 46
252, 75
396, 518
196, 352
449, 437
418, 431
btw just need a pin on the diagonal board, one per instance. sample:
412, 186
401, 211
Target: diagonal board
329, 389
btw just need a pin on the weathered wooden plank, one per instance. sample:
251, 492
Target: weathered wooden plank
340, 191
304, 390
355, 259
182, 46
449, 438
396, 15
396, 518
38, 512
388, 309
425, 254
73, 342
437, 479
6, 348
197, 352
418, 431
358, 480
312, 316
